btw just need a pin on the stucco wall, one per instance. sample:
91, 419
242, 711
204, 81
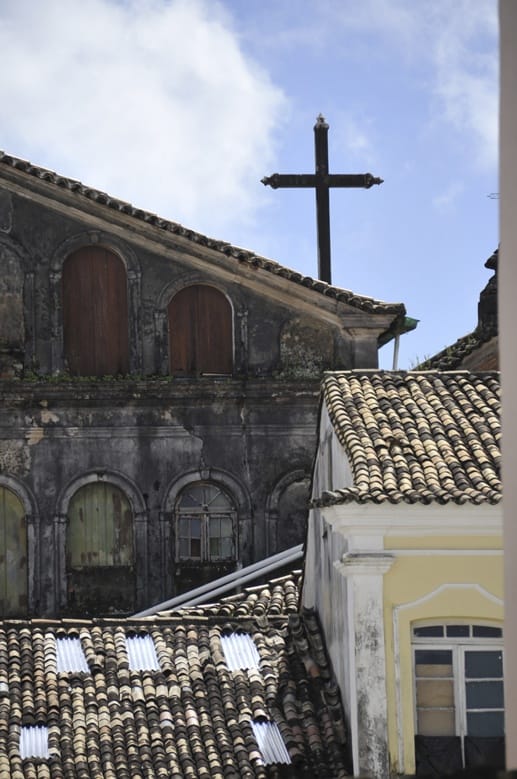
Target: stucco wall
443, 579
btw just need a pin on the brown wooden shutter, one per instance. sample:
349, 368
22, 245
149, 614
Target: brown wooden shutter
200, 332
13, 555
95, 313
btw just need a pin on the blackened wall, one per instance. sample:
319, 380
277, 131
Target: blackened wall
148, 434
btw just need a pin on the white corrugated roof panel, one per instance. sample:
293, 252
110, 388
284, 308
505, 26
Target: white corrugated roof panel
141, 653
34, 741
270, 742
70, 656
240, 651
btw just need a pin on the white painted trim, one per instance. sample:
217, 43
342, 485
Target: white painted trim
354, 724
456, 586
389, 519
365, 563
446, 552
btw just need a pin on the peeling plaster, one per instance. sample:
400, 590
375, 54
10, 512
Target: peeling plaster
34, 435
48, 416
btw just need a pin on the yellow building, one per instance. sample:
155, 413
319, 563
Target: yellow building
404, 566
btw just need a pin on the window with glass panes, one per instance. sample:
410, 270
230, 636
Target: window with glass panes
459, 703
205, 524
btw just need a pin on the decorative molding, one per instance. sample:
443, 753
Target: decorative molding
364, 563
402, 519
453, 586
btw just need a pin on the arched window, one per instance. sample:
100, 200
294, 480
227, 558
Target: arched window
205, 524
459, 702
95, 313
100, 550
13, 555
200, 332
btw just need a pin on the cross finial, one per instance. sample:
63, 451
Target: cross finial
321, 180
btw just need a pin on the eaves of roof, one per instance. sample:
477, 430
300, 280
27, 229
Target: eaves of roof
360, 302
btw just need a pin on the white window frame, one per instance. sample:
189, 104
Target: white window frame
458, 646
204, 515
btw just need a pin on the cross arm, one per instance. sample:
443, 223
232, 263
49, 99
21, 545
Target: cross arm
312, 180
278, 180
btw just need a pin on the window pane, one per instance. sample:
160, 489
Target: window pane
215, 548
479, 665
218, 500
434, 657
184, 547
226, 548
226, 527
429, 631
195, 547
485, 723
435, 693
433, 670
192, 496
484, 631
458, 631
195, 527
433, 722
485, 695
215, 527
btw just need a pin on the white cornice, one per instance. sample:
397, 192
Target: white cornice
364, 563
414, 519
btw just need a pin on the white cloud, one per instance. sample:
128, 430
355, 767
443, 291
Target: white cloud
152, 100
452, 45
466, 73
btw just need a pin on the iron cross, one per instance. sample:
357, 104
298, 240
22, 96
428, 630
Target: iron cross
321, 181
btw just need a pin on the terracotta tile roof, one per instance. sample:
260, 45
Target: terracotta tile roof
417, 437
360, 302
277, 597
452, 357
191, 719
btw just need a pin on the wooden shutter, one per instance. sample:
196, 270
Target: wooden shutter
100, 527
200, 332
100, 551
13, 555
95, 313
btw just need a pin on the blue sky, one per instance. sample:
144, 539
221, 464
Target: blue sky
181, 106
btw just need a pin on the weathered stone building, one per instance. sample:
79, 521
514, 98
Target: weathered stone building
159, 398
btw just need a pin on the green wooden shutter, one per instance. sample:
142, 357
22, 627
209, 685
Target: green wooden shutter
100, 550
13, 555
